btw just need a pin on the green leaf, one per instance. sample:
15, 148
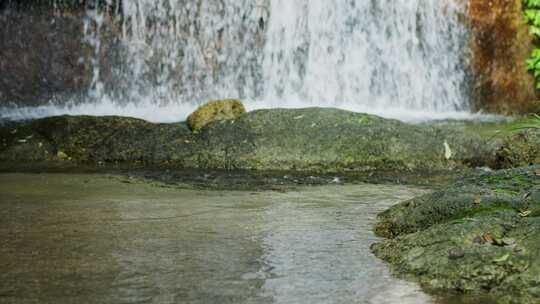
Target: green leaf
502, 259
534, 30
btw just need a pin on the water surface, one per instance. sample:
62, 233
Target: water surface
96, 239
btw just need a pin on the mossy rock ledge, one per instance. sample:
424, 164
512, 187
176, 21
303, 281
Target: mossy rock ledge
479, 236
313, 139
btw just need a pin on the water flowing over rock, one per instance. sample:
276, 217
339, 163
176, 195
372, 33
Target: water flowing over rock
165, 57
359, 55
159, 60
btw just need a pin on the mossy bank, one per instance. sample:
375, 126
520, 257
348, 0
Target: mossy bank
479, 236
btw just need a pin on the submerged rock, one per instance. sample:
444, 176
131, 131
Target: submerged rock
478, 236
217, 110
314, 139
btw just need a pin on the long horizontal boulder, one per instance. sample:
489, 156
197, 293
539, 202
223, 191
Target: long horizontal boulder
313, 139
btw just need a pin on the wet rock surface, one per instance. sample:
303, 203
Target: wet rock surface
500, 45
305, 140
478, 236
41, 53
47, 55
519, 150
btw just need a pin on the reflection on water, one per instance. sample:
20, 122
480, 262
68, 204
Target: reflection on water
93, 239
317, 248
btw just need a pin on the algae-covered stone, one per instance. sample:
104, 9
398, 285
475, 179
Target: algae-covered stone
478, 193
312, 140
95, 140
332, 140
521, 149
479, 236
215, 111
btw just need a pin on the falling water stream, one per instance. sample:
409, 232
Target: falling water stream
405, 59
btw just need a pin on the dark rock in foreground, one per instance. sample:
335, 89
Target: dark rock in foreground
314, 140
478, 236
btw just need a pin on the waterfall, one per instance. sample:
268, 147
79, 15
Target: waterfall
405, 59
367, 55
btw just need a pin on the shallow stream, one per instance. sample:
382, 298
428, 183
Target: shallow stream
70, 238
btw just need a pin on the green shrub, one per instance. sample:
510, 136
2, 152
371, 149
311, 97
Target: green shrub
532, 14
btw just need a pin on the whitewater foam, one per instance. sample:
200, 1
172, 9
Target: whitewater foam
178, 112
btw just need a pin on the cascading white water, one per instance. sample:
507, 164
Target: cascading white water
399, 55
403, 59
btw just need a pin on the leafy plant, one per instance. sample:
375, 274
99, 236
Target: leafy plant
531, 123
532, 14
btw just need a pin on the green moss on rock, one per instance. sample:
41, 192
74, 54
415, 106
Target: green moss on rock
311, 140
471, 237
217, 110
522, 149
474, 194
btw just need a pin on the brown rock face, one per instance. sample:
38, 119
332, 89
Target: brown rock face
500, 45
